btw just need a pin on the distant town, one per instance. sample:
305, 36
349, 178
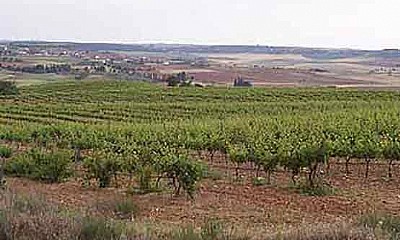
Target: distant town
82, 63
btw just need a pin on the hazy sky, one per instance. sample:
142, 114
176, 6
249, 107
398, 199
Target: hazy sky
369, 24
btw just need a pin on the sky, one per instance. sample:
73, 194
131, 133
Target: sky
362, 24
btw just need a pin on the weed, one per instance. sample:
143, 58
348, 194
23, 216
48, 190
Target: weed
99, 229
126, 208
3, 225
318, 189
29, 204
259, 181
186, 233
212, 229
213, 174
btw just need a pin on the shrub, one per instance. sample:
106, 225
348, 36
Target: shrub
181, 79
8, 88
184, 173
40, 165
5, 152
102, 167
145, 178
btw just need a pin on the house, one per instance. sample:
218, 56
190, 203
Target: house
239, 82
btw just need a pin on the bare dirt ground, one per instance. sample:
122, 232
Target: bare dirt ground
239, 202
278, 77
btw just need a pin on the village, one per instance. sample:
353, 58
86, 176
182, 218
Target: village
66, 61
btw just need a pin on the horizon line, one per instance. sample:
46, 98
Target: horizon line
167, 42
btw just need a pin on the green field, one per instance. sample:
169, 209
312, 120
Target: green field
285, 126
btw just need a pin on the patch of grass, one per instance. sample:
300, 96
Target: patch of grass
126, 208
3, 181
240, 179
211, 230
29, 204
186, 233
100, 229
121, 208
31, 217
5, 152
388, 223
319, 189
259, 181
213, 174
3, 225
339, 231
133, 190
40, 165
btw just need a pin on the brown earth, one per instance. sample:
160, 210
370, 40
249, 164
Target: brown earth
276, 77
239, 202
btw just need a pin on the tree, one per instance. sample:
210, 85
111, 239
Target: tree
181, 79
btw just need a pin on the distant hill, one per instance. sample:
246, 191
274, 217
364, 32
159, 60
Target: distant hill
315, 53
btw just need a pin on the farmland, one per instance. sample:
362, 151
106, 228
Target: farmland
254, 158
208, 65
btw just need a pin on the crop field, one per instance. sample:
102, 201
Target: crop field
256, 159
297, 70
23, 79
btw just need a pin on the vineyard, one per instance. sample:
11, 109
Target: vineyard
155, 138
129, 127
